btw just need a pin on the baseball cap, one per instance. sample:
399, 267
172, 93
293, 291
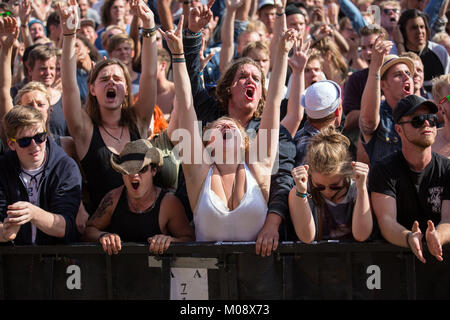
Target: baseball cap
292, 9
136, 155
409, 104
321, 99
264, 3
392, 59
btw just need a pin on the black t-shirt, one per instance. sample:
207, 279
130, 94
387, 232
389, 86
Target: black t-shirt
418, 195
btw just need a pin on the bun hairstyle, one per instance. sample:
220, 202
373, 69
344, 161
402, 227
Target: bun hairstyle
328, 153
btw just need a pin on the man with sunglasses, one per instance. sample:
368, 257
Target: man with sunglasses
40, 186
410, 188
441, 96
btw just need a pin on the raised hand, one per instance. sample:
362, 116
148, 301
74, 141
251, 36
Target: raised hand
200, 17
360, 173
140, 9
280, 5
69, 16
300, 175
204, 60
433, 241
174, 39
288, 39
415, 241
300, 57
234, 4
381, 48
9, 31
25, 11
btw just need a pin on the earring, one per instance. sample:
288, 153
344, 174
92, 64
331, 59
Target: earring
228, 90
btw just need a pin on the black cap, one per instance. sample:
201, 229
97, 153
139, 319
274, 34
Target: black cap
409, 105
292, 9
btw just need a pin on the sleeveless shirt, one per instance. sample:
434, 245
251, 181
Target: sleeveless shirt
101, 177
215, 222
132, 226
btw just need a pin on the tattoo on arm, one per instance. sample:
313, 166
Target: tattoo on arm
104, 205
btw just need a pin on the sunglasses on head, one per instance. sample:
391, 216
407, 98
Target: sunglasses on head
387, 11
446, 98
26, 141
419, 121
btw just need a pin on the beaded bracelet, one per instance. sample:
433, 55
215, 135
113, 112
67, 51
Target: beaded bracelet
148, 32
189, 32
178, 54
302, 195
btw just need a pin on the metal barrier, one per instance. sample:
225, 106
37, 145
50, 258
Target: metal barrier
217, 271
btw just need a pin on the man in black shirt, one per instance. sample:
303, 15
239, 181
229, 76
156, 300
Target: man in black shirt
411, 186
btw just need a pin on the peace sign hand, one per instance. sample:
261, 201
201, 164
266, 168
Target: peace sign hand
300, 57
69, 16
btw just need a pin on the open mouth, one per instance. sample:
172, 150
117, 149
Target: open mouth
111, 94
135, 185
250, 92
393, 20
227, 134
407, 89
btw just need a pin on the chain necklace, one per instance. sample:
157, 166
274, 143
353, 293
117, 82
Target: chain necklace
133, 208
109, 134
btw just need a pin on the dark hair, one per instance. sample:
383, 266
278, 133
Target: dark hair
225, 81
41, 52
373, 29
93, 52
52, 20
105, 12
411, 14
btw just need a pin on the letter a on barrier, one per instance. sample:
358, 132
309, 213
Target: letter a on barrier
74, 280
374, 281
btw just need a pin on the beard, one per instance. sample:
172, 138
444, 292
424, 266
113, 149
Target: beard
421, 142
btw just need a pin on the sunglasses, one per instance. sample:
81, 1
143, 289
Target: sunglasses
5, 14
418, 121
387, 11
446, 98
26, 141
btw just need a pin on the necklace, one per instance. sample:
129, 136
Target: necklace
109, 134
133, 208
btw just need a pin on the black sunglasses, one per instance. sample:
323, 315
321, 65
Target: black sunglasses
144, 169
386, 11
418, 121
26, 141
322, 188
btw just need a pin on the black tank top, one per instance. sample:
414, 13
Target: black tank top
135, 227
101, 177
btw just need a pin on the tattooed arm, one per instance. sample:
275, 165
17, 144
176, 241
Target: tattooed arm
101, 219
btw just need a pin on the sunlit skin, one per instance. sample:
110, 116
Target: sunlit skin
84, 6
81, 51
416, 34
111, 79
44, 71
398, 82
348, 32
389, 20
140, 185
245, 39
313, 72
418, 76
226, 134
38, 100
267, 16
246, 89
123, 52
111, 32
36, 31
88, 32
261, 58
117, 12
297, 22
367, 46
421, 137
33, 156
333, 179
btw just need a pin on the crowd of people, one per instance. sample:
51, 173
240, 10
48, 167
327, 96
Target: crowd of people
228, 120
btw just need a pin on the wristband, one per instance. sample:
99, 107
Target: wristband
69, 34
279, 14
302, 195
102, 235
407, 239
189, 32
178, 54
176, 60
147, 33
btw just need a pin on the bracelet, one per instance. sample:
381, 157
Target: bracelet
178, 54
69, 34
176, 60
24, 25
302, 195
313, 38
189, 32
279, 14
407, 239
102, 235
148, 33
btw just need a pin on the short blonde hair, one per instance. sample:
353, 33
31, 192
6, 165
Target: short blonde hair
438, 84
394, 4
21, 117
29, 87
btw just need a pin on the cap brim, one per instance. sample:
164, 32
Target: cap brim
430, 104
395, 61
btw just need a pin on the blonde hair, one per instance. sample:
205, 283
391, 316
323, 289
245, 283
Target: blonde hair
21, 117
29, 87
394, 4
210, 125
439, 83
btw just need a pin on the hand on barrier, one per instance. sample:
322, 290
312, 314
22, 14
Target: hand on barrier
433, 241
159, 243
415, 242
110, 242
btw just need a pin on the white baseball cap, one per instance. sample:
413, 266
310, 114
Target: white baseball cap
321, 99
263, 3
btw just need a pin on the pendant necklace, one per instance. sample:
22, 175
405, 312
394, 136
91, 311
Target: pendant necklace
109, 134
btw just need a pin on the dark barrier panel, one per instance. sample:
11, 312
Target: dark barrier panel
219, 271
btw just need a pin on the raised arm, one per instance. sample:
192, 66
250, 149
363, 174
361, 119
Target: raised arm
362, 223
24, 15
78, 122
295, 111
164, 13
9, 32
227, 32
147, 84
370, 101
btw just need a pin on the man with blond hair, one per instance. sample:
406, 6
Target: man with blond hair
441, 96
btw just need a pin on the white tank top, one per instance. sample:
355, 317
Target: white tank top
215, 222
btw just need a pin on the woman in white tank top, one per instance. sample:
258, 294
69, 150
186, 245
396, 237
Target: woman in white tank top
227, 179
